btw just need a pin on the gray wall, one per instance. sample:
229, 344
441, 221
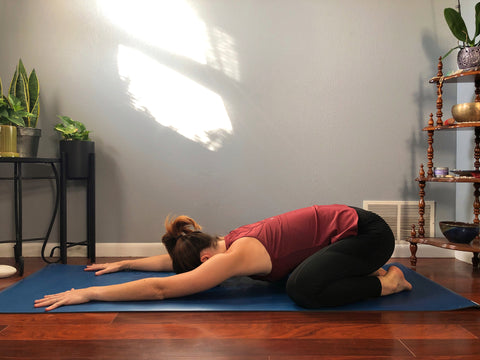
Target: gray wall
466, 138
320, 102
465, 141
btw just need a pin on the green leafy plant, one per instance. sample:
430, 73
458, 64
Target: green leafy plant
12, 111
26, 88
71, 129
458, 28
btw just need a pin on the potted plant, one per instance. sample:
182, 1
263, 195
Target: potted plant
12, 114
26, 88
469, 54
76, 147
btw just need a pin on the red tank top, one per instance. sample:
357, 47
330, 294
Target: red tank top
292, 237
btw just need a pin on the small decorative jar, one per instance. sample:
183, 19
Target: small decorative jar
468, 57
441, 171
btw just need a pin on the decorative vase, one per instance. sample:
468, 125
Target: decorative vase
27, 141
77, 154
468, 57
8, 141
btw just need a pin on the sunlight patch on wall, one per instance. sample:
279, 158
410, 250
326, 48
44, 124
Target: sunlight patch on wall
222, 54
174, 26
171, 25
174, 100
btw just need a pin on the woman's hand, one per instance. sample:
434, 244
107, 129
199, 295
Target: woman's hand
70, 297
101, 269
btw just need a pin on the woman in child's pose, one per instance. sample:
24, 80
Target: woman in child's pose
332, 255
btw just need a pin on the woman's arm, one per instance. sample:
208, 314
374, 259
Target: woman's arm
247, 257
202, 278
152, 263
144, 289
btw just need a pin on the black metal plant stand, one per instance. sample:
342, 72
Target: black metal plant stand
58, 167
18, 179
90, 184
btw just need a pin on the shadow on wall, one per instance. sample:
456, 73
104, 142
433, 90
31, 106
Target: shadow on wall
444, 144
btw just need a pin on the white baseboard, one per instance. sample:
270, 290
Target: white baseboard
32, 249
403, 251
465, 256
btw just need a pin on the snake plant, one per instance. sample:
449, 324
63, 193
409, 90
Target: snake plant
12, 111
26, 88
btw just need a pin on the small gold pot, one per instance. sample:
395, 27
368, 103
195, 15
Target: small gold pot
467, 112
8, 141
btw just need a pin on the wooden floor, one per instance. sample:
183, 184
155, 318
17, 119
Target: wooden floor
252, 335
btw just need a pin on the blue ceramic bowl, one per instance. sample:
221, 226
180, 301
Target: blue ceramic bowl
459, 232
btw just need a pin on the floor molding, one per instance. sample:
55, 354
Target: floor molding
32, 249
402, 250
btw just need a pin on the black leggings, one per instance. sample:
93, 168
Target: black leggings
339, 273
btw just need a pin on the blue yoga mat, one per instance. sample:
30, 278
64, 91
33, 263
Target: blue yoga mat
238, 294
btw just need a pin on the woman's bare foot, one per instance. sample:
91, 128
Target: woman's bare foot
394, 281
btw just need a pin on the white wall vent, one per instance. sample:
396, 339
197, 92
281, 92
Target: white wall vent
400, 215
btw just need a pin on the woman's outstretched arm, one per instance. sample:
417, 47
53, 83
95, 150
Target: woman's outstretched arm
144, 289
152, 263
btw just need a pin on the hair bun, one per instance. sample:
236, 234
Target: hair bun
181, 225
177, 227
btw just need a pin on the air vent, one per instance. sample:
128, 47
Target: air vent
400, 215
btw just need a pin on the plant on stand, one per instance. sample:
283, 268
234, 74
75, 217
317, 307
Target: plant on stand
26, 88
71, 129
469, 54
76, 147
12, 114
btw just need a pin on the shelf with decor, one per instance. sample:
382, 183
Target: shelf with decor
428, 175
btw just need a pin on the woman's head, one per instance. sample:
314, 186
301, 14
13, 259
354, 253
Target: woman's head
184, 242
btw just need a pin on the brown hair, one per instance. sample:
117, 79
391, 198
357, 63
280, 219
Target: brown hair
184, 242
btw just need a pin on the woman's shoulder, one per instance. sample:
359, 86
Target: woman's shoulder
252, 254
244, 242
250, 230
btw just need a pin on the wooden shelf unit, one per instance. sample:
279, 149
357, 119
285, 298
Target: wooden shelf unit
418, 234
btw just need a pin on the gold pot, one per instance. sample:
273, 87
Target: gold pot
8, 141
467, 112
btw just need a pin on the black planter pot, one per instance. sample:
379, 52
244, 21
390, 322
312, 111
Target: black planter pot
27, 141
77, 154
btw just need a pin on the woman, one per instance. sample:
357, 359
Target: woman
332, 255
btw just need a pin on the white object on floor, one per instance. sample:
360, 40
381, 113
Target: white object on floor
6, 271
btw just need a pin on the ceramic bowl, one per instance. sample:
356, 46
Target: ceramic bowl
467, 112
459, 232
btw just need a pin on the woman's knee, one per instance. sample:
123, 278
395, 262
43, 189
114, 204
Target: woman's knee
303, 295
306, 298
297, 294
